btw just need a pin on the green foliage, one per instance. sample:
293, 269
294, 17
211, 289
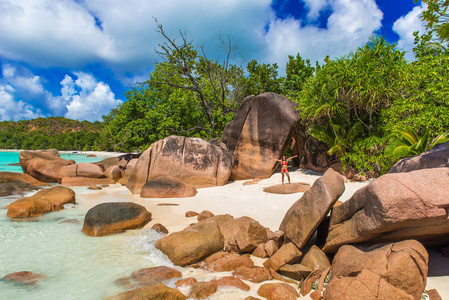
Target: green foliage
263, 78
436, 17
297, 72
53, 132
408, 143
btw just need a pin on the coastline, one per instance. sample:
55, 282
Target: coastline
105, 154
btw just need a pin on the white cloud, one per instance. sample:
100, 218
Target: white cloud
349, 26
315, 7
85, 98
405, 26
22, 96
10, 109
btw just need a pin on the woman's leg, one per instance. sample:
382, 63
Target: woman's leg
288, 176
282, 177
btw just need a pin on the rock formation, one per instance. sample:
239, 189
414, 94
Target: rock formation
259, 134
191, 160
167, 187
113, 217
394, 207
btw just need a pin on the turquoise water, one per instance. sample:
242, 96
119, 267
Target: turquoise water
76, 266
7, 158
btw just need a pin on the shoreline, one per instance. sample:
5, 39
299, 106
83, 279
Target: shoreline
97, 153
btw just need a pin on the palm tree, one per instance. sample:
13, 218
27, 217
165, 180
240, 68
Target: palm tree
408, 143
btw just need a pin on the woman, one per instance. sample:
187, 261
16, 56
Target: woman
284, 167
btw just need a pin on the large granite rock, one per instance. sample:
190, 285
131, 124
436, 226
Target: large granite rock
392, 271
191, 160
108, 218
394, 207
43, 166
46, 200
85, 181
167, 187
259, 134
158, 291
303, 218
192, 244
85, 170
437, 157
11, 176
16, 188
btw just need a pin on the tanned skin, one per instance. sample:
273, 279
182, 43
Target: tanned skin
284, 167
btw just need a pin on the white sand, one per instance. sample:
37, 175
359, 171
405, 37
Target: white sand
250, 200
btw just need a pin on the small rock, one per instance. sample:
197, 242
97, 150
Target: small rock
260, 251
251, 233
205, 214
307, 284
278, 237
94, 187
231, 281
271, 247
23, 277
291, 188
278, 291
253, 274
191, 214
202, 290
296, 271
160, 228
70, 221
224, 262
315, 295
434, 295
287, 254
315, 259
155, 275
185, 282
167, 204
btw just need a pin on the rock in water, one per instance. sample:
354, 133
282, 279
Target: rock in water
23, 277
191, 160
392, 271
167, 187
394, 207
291, 188
259, 134
437, 157
303, 218
12, 176
43, 166
46, 200
113, 217
158, 291
15, 188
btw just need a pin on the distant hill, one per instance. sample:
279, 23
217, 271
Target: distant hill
52, 132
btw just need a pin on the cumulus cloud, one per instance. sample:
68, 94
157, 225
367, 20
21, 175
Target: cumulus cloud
349, 26
85, 98
10, 109
315, 6
22, 96
405, 26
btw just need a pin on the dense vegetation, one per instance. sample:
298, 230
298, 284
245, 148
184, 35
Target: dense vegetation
53, 132
368, 108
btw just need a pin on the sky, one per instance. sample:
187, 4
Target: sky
77, 58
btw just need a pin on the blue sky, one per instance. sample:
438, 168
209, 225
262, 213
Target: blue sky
76, 58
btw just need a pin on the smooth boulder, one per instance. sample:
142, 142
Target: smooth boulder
158, 291
16, 188
112, 217
260, 134
437, 157
193, 244
6, 177
192, 160
304, 216
291, 188
43, 166
392, 271
167, 187
394, 207
44, 201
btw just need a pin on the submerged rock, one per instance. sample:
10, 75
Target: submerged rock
44, 201
16, 188
108, 218
23, 277
259, 134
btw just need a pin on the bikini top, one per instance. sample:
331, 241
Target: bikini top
284, 163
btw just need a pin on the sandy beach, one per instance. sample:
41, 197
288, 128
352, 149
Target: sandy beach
239, 200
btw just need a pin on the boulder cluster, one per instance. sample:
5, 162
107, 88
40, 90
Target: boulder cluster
373, 246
